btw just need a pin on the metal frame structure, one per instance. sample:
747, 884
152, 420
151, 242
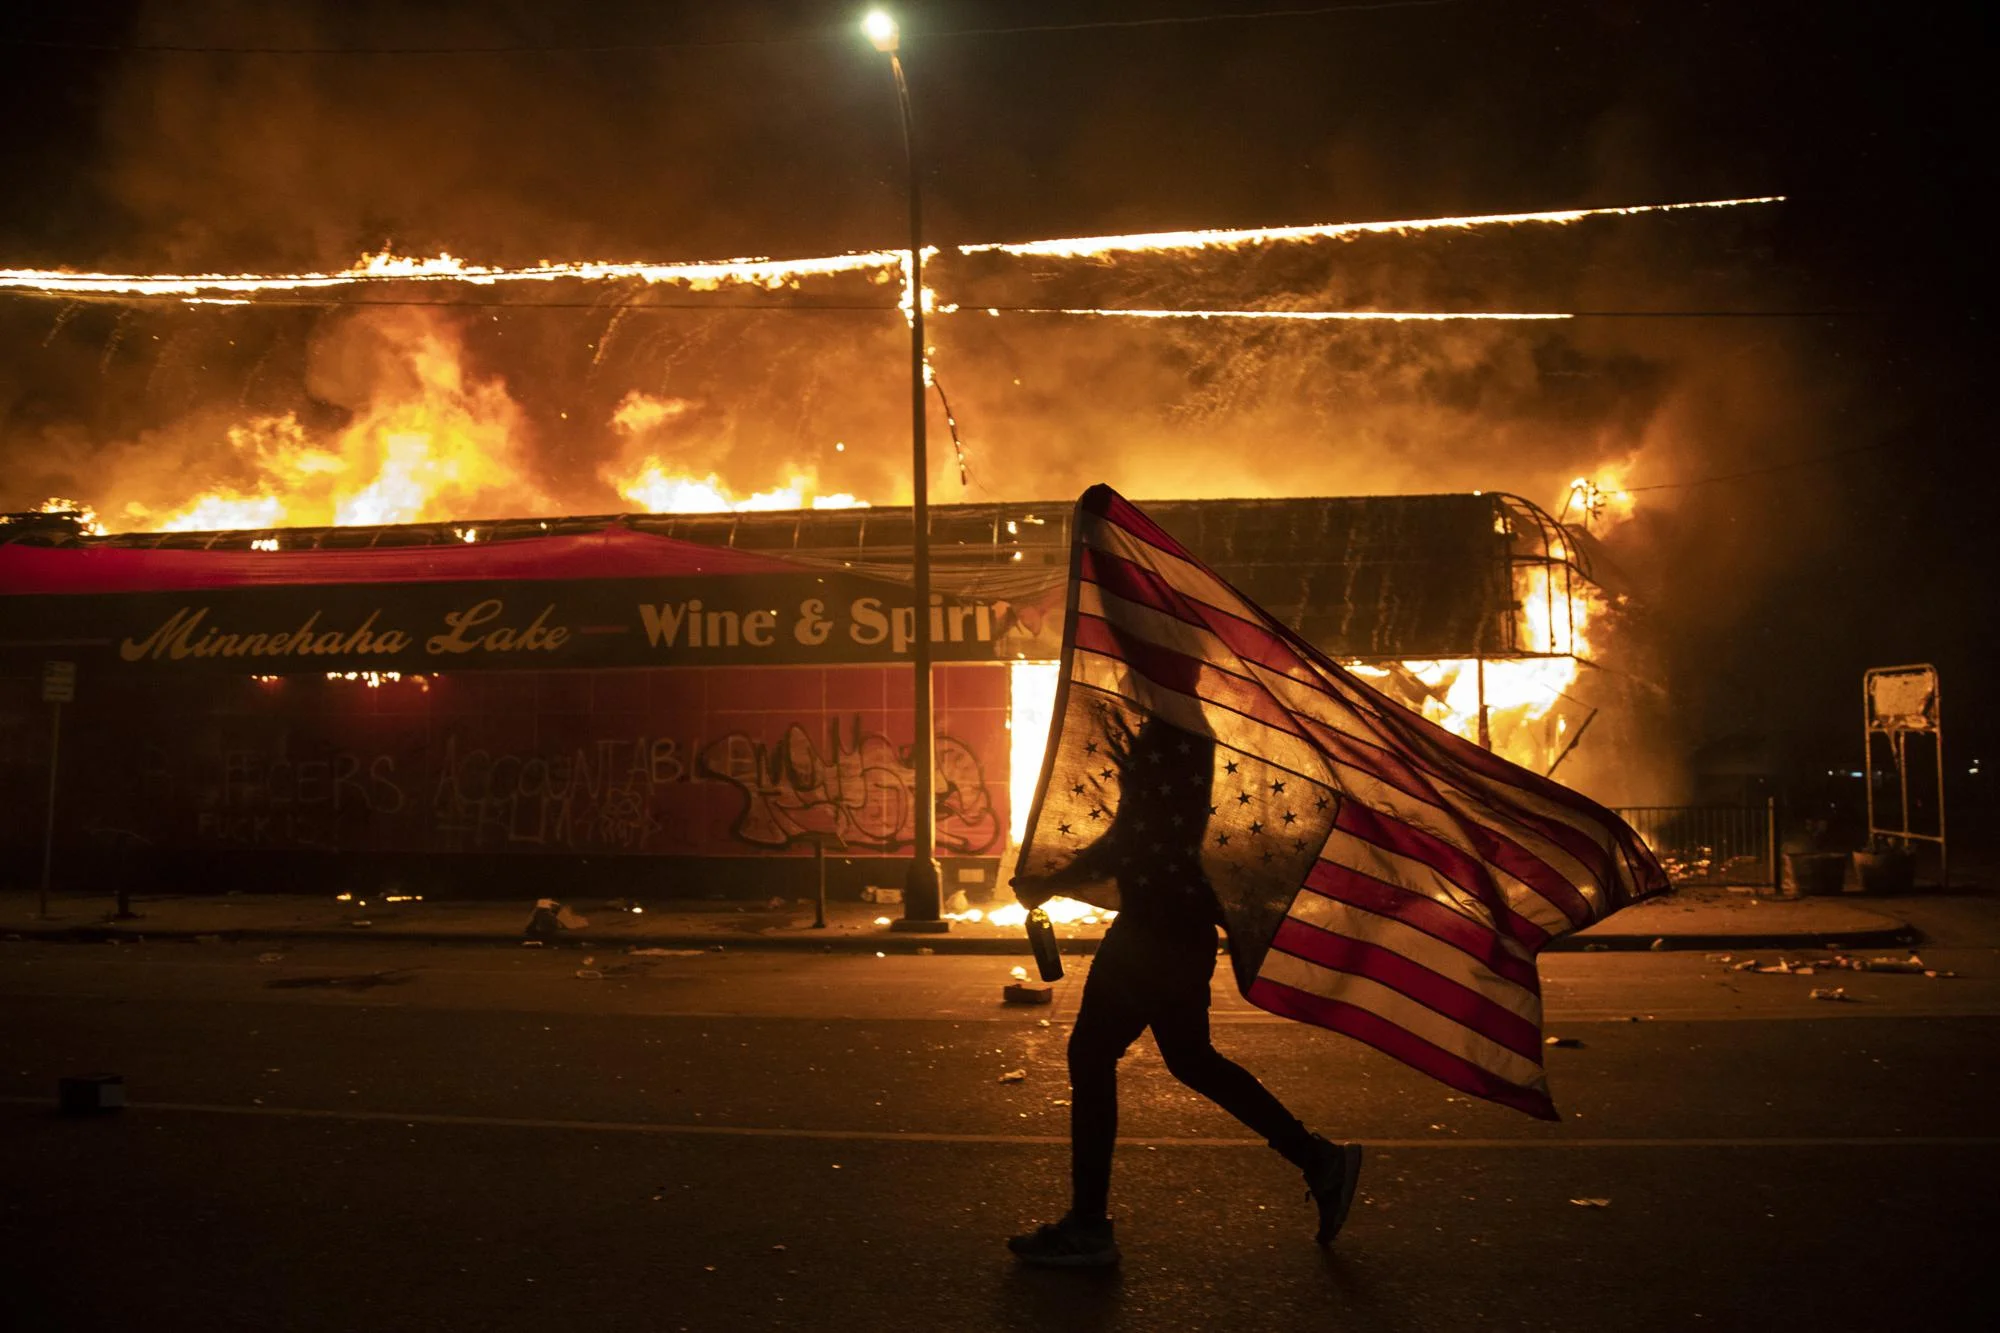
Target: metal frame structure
1921, 683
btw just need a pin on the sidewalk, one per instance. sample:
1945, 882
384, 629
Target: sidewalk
1690, 919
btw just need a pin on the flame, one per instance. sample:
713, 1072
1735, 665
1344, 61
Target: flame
774, 274
701, 275
1077, 247
1403, 316
433, 444
85, 516
1031, 700
660, 487
1598, 503
1062, 911
659, 490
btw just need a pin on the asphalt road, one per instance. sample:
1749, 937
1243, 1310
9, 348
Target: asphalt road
369, 1137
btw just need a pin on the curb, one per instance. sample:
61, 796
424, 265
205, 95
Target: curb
808, 941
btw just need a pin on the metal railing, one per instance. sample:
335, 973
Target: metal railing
1710, 844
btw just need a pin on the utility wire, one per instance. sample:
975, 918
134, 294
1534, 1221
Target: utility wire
1360, 316
591, 48
1813, 461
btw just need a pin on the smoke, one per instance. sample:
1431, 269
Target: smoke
223, 163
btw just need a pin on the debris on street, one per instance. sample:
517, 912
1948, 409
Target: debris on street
1591, 1203
1827, 993
1020, 992
1566, 1042
1013, 1076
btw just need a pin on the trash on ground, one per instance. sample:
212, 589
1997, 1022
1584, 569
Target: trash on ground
1935, 973
1591, 1203
270, 957
1566, 1042
1018, 973
1827, 993
589, 974
86, 1094
1722, 958
1020, 992
1744, 966
1910, 964
1014, 1076
873, 894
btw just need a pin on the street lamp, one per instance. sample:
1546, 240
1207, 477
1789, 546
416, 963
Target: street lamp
923, 899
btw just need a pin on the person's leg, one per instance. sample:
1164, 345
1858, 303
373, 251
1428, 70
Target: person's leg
1180, 1026
1108, 1021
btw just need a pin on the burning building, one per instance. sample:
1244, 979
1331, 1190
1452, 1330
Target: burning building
686, 702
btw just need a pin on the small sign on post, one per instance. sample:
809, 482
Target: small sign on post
58, 682
58, 688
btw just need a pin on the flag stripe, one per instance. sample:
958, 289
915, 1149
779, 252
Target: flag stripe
1523, 897
1187, 675
1445, 1033
1409, 910
1462, 1005
1389, 1038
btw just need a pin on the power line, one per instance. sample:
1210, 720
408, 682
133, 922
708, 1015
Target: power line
803, 39
1813, 461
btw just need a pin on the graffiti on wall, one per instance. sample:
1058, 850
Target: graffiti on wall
596, 797
859, 789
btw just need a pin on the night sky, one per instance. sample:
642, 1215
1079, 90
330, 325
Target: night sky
1843, 323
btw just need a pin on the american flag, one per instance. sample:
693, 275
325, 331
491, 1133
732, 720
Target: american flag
1376, 874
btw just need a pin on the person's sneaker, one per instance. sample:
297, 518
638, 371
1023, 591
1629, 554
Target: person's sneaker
1330, 1182
1067, 1244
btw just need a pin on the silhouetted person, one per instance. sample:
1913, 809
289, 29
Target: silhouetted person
1153, 970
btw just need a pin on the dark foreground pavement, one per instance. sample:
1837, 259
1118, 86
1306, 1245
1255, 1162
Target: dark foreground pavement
402, 1137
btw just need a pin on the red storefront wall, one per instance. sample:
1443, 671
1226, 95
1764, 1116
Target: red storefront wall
646, 763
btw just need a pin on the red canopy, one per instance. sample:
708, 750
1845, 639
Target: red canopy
616, 552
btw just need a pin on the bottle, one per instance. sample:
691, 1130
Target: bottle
1042, 938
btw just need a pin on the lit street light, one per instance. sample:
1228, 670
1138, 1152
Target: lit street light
923, 904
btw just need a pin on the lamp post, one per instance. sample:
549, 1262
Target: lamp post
923, 899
